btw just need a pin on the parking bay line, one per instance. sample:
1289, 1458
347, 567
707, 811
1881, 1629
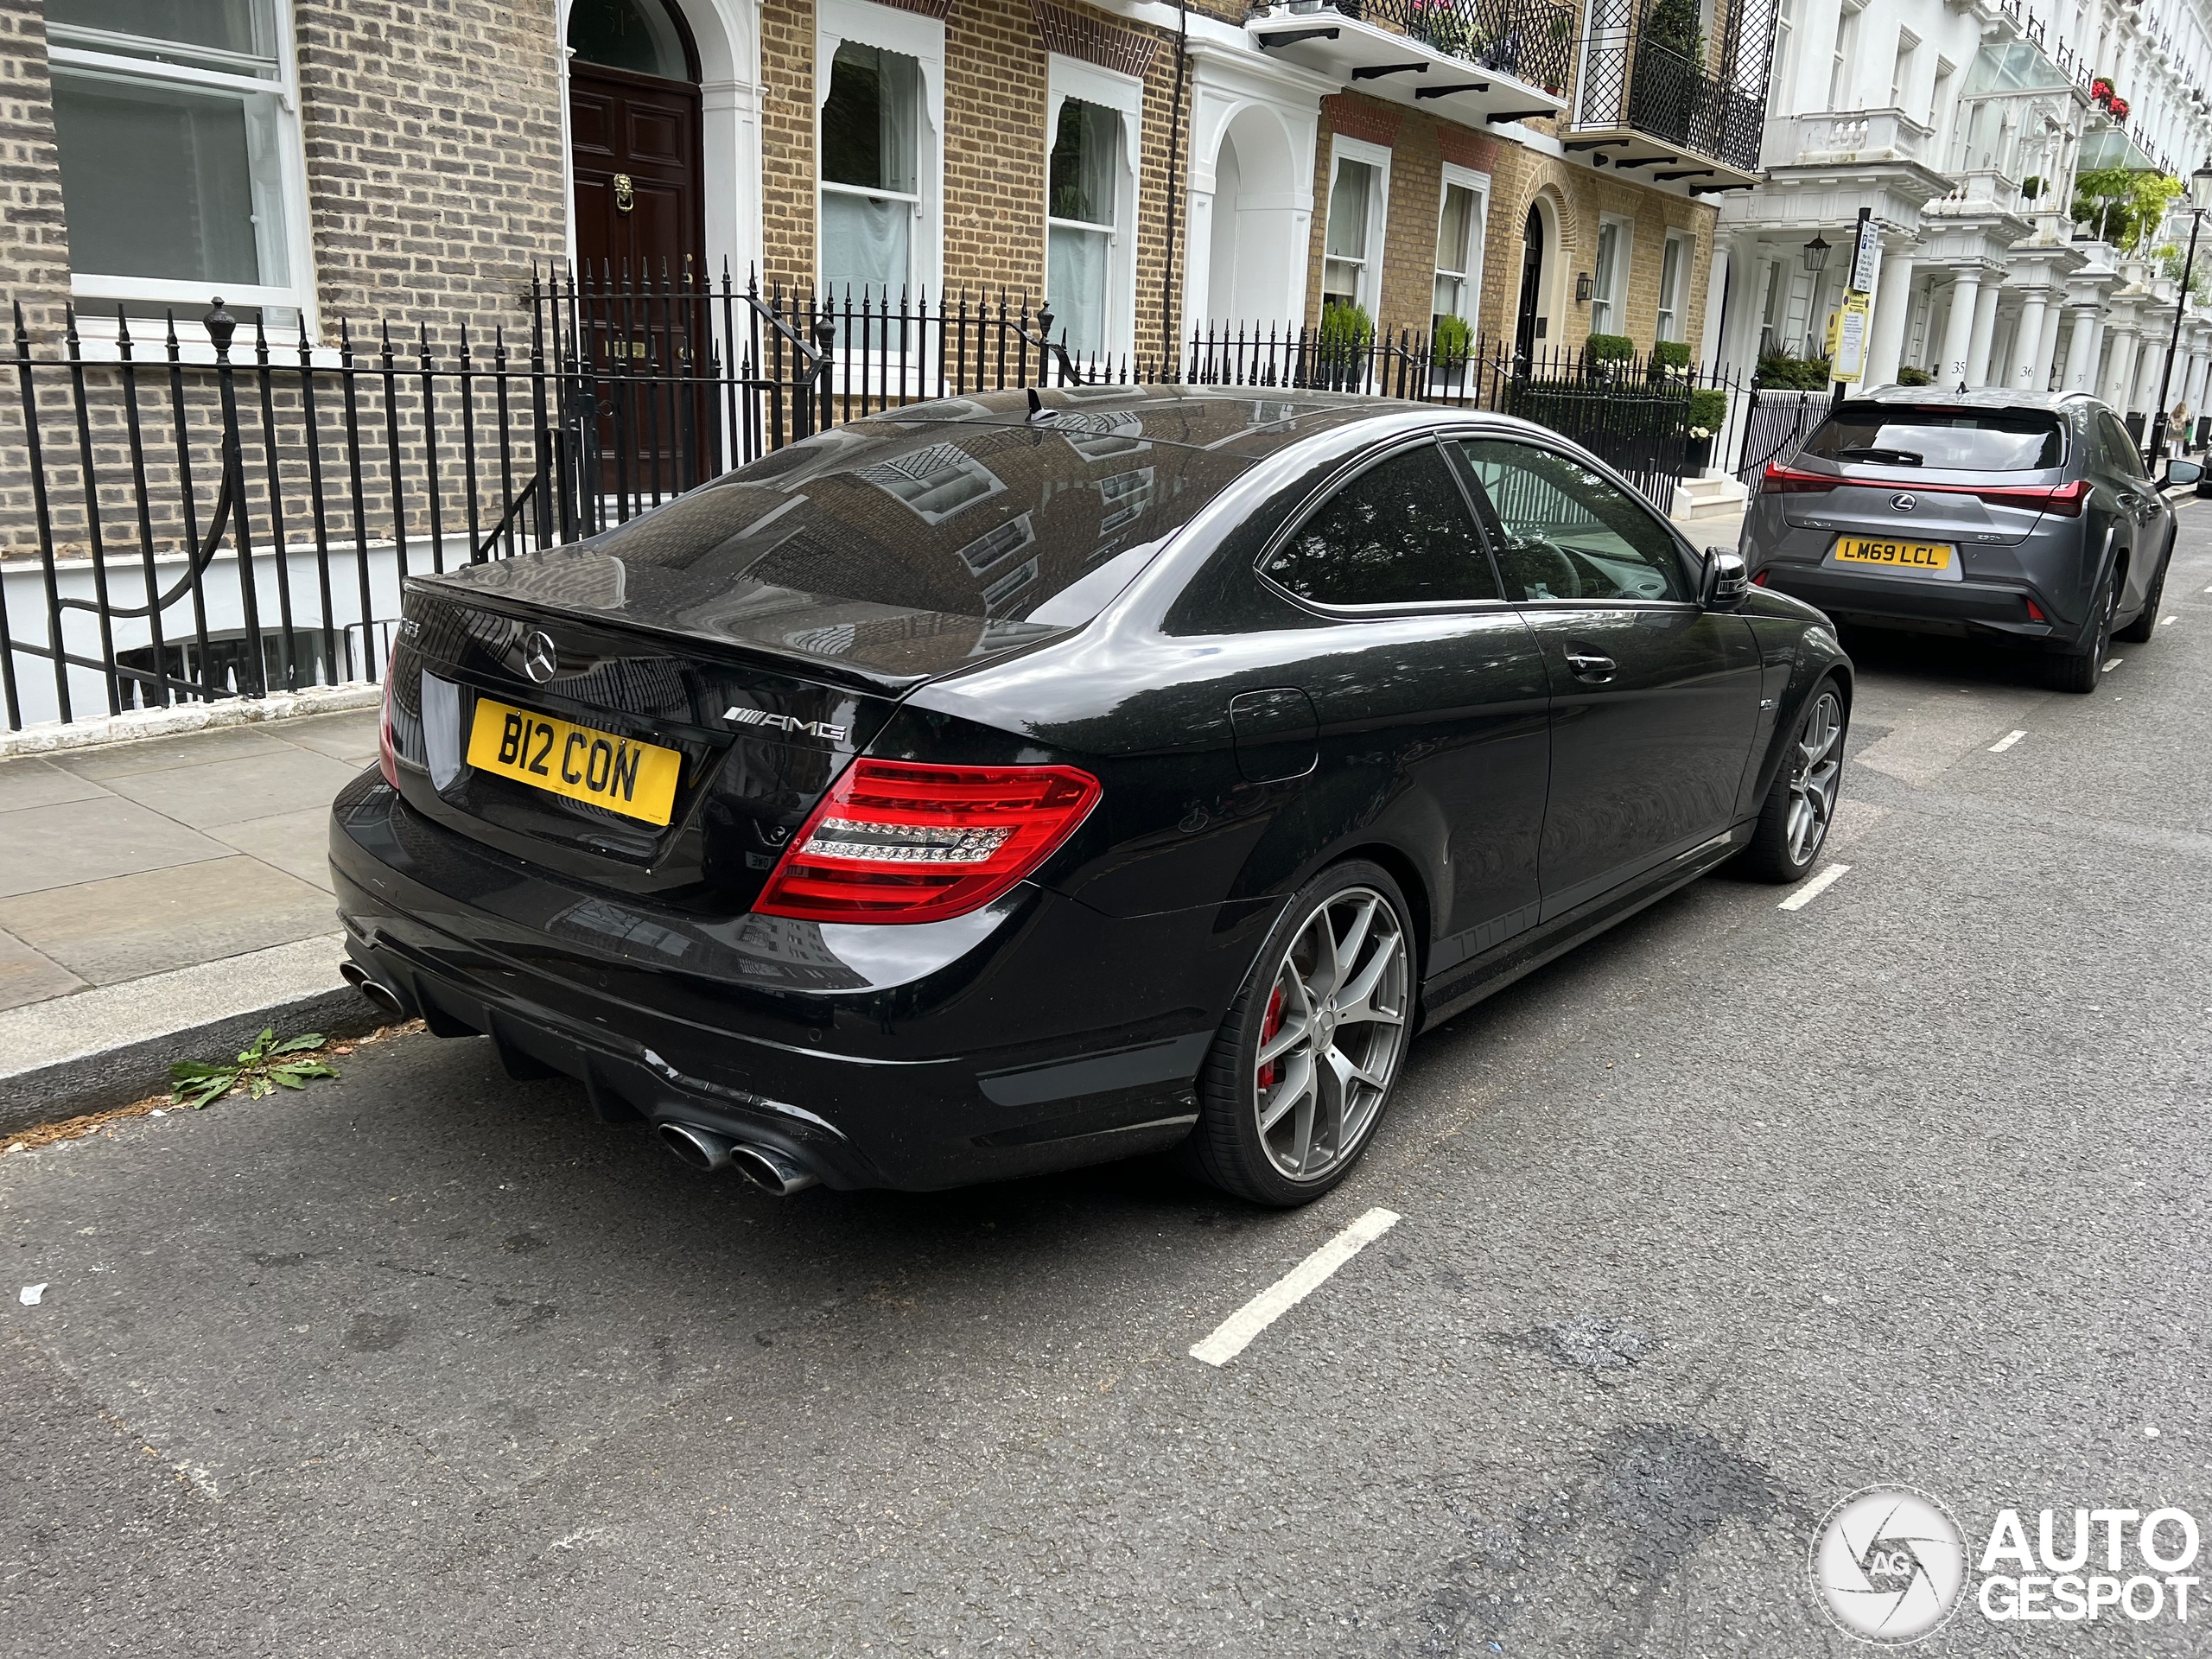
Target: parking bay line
2005, 742
1233, 1333
2168, 621
1812, 889
2111, 663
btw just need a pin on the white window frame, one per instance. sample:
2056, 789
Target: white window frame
922, 39
1840, 65
1904, 68
1682, 245
1090, 83
1780, 81
1343, 149
71, 49
1616, 302
1466, 178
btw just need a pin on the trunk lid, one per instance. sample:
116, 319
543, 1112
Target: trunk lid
762, 696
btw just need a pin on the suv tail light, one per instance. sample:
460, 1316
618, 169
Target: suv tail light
2064, 500
387, 754
1789, 480
896, 841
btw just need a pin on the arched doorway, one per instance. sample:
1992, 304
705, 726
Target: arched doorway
1256, 259
1530, 326
633, 127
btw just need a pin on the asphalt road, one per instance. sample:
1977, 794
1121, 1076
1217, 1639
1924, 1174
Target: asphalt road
1729, 1214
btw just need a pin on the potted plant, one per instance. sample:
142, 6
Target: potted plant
1341, 344
2118, 108
1909, 375
2101, 89
1603, 354
1452, 344
1708, 412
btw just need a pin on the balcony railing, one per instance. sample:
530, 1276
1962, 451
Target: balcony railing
1532, 40
1848, 136
1632, 83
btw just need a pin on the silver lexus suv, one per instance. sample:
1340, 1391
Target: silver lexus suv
2023, 518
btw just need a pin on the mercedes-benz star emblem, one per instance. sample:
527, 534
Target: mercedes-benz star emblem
1904, 503
539, 659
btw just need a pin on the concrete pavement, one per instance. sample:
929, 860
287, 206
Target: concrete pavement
1711, 1223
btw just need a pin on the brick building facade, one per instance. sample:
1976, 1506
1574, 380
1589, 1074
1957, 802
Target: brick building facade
421, 158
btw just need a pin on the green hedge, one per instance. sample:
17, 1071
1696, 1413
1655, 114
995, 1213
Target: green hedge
1609, 348
1779, 372
1569, 406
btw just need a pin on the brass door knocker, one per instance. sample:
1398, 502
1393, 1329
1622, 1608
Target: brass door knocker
626, 193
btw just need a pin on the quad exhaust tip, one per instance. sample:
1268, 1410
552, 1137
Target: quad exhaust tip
375, 989
711, 1152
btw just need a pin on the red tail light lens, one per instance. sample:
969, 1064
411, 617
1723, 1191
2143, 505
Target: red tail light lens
387, 756
2064, 500
1759, 581
1789, 480
894, 842
2035, 613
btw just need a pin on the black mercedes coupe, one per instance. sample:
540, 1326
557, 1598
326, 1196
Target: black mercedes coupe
1010, 782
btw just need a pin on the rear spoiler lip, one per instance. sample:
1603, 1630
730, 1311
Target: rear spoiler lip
747, 652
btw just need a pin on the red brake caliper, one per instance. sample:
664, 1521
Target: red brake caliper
1269, 1027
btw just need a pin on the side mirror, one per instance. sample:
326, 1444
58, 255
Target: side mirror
1726, 583
2180, 473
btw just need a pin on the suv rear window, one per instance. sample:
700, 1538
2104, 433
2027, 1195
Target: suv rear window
1953, 440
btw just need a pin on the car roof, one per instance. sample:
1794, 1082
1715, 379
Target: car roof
1982, 397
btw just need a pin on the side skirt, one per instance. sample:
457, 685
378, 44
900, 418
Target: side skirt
1460, 988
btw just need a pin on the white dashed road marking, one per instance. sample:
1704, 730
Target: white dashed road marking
2168, 621
2005, 742
2111, 663
1230, 1337
1804, 895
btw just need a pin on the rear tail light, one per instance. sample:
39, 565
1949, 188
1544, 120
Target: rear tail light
2035, 613
894, 842
2064, 500
387, 755
1789, 480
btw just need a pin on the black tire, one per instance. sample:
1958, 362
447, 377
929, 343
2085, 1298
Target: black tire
2080, 671
1799, 809
2139, 631
1234, 1146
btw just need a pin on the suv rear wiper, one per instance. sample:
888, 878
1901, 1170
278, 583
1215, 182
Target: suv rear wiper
1873, 452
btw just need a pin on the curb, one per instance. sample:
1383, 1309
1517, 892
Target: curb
113, 1044
141, 723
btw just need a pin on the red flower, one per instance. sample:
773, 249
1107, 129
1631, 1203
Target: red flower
2101, 89
2119, 107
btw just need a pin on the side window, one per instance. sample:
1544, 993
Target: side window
1563, 532
1398, 534
2120, 454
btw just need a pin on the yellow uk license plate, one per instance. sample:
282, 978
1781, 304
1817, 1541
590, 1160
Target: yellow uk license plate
1909, 555
619, 773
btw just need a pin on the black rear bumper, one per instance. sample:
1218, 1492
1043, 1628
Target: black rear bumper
1988, 611
1034, 1035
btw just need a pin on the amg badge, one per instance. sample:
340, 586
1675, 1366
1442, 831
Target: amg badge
820, 729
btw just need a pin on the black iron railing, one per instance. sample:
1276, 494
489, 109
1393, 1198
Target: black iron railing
1634, 81
213, 515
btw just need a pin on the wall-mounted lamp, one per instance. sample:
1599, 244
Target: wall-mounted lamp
1582, 289
1816, 254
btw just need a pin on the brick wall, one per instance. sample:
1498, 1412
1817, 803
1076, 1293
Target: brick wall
787, 114
34, 242
995, 149
433, 138
1419, 144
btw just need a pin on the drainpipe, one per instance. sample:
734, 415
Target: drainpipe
1169, 354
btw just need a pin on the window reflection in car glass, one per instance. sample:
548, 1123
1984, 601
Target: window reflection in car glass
1564, 532
1398, 534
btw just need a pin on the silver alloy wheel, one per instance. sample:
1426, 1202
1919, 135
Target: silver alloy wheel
1812, 774
1332, 1034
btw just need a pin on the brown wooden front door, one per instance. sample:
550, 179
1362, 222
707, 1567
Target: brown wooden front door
641, 257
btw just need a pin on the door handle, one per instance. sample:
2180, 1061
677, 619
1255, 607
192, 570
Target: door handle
2129, 499
1589, 664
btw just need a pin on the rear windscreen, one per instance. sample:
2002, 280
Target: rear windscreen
1955, 440
995, 517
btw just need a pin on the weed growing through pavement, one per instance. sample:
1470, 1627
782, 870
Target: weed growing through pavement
264, 1068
